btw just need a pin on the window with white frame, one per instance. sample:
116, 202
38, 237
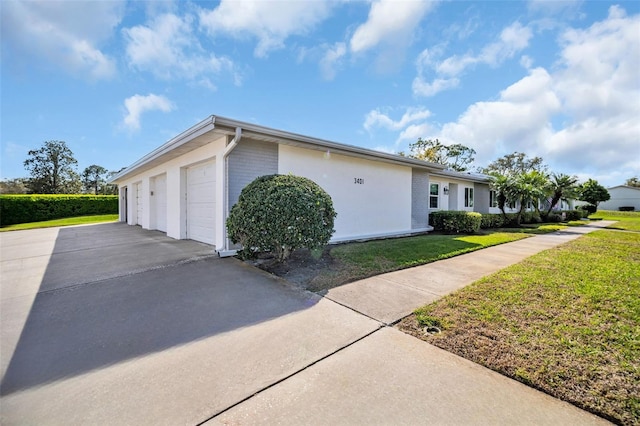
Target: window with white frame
493, 199
434, 195
468, 197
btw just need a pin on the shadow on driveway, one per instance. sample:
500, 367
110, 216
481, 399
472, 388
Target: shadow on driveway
112, 293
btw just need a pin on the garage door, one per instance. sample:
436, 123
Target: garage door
138, 191
159, 200
201, 202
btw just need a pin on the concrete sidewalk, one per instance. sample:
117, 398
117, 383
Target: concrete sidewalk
389, 377
390, 297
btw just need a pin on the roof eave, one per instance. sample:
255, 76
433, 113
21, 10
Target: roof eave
228, 126
249, 129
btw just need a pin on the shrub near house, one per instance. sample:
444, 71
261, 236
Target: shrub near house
281, 213
456, 221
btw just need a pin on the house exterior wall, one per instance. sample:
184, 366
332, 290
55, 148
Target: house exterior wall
175, 189
481, 198
454, 198
622, 196
249, 160
371, 198
419, 199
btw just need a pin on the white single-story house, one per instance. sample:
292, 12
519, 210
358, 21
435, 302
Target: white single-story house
622, 196
187, 186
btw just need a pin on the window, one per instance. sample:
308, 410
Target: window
468, 197
434, 192
493, 199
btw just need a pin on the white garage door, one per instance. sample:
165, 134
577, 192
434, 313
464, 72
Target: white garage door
201, 202
159, 200
138, 190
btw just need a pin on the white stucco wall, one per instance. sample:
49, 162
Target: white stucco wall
175, 170
380, 205
454, 200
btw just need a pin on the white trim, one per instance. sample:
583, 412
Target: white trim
382, 236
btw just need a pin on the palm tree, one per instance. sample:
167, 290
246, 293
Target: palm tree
529, 187
561, 187
503, 185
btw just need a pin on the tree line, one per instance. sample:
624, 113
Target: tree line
52, 169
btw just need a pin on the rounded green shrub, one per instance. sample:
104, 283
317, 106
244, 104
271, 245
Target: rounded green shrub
589, 208
279, 214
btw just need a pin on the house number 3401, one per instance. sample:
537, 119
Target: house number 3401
358, 181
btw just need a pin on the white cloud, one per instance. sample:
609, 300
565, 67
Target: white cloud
168, 48
582, 117
136, 105
413, 132
411, 126
64, 33
389, 21
332, 60
270, 22
376, 118
519, 119
526, 61
512, 40
421, 87
553, 8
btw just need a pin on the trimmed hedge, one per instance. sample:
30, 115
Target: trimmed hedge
626, 208
573, 214
496, 220
38, 207
491, 220
456, 221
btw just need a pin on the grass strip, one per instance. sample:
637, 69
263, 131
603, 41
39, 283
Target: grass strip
626, 221
355, 261
80, 220
566, 321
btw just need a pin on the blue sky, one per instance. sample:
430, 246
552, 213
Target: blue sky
116, 79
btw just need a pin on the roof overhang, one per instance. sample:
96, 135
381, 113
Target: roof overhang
215, 127
473, 177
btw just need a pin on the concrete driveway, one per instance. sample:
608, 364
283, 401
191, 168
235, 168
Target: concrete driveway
111, 324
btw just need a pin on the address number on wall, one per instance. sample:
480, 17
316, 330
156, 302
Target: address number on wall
358, 181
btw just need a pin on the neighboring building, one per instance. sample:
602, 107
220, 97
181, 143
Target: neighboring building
187, 186
622, 196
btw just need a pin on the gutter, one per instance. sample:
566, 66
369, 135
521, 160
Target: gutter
225, 251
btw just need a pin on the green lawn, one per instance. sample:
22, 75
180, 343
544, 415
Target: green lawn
353, 261
80, 220
628, 221
566, 321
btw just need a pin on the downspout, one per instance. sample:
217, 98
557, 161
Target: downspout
225, 252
